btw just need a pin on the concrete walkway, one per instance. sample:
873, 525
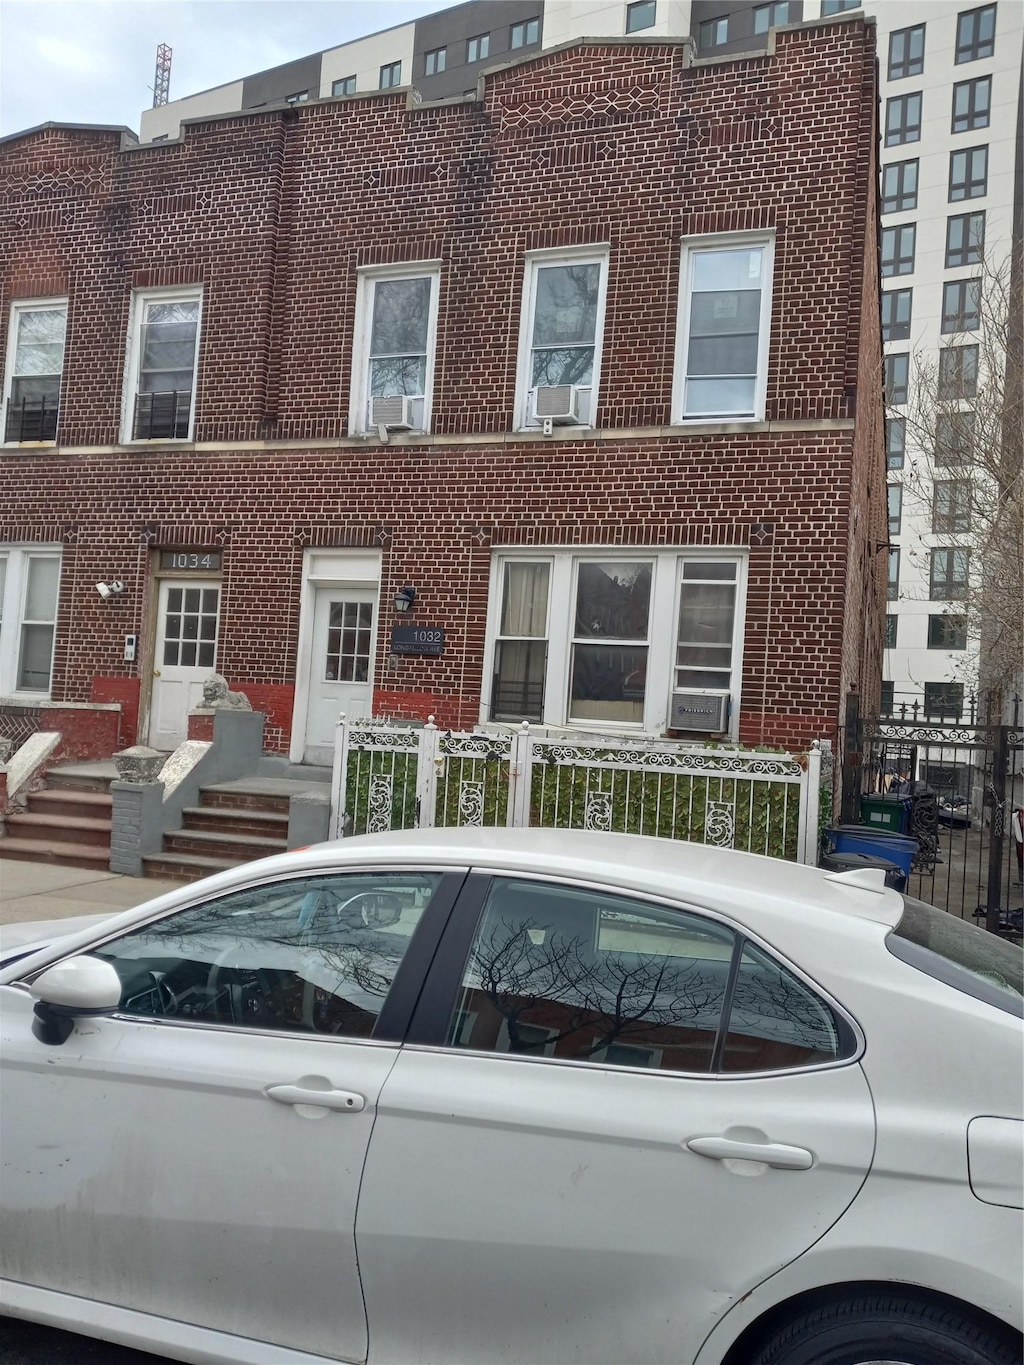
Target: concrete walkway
43, 891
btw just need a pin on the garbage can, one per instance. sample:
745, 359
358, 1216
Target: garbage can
848, 862
891, 813
878, 843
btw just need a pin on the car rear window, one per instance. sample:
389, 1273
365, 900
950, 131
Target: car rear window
962, 955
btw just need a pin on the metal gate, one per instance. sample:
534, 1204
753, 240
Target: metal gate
965, 782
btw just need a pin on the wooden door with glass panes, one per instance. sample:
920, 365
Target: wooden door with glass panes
185, 655
341, 671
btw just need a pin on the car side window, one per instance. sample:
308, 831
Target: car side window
586, 976
775, 1021
309, 954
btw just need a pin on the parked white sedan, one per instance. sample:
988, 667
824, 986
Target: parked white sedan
464, 1097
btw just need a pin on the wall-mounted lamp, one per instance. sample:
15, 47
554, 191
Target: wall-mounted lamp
106, 590
404, 598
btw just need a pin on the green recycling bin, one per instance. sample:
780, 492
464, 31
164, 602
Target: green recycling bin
891, 813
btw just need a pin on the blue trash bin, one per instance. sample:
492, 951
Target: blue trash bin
894, 848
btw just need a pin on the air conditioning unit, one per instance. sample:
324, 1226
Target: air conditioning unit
396, 412
558, 403
706, 711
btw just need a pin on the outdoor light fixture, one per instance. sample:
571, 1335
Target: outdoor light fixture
107, 590
404, 598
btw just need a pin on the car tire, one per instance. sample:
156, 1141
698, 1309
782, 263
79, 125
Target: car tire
881, 1329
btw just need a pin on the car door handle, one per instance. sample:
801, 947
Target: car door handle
346, 1100
771, 1153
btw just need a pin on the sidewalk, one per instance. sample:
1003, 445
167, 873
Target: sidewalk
43, 891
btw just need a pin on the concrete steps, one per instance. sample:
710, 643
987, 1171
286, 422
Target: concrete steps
67, 822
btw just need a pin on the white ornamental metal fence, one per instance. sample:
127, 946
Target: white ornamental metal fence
389, 776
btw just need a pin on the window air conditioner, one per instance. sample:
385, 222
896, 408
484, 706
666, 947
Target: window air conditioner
558, 403
707, 711
394, 412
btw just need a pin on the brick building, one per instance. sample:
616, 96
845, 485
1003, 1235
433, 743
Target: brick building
589, 360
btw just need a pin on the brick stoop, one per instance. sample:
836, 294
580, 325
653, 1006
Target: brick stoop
66, 822
224, 830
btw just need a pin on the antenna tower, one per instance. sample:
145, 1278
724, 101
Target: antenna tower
162, 75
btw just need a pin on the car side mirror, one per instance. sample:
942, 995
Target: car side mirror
79, 986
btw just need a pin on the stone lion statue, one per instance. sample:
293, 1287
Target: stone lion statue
218, 697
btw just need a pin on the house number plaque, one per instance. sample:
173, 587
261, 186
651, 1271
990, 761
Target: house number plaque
417, 640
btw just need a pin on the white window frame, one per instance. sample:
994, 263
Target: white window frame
19, 308
13, 589
367, 278
535, 262
141, 298
663, 624
690, 251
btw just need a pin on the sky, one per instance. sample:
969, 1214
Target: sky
92, 61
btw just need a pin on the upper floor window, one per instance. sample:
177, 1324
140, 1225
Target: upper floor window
770, 16
906, 52
972, 104
943, 700
525, 34
346, 86
896, 306
958, 373
713, 33
894, 506
951, 507
898, 245
968, 174
975, 34
891, 630
435, 62
895, 442
162, 361
478, 48
35, 363
903, 119
393, 349
965, 239
299, 97
954, 437
948, 575
29, 585
560, 338
724, 320
892, 587
896, 378
899, 186
390, 75
830, 7
947, 632
961, 306
641, 15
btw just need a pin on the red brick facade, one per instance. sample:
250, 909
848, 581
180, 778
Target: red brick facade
629, 145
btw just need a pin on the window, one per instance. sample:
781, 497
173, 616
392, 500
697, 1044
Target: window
894, 506
899, 186
307, 955
895, 441
769, 16
572, 637
898, 245
435, 62
968, 174
965, 239
526, 33
947, 632
975, 34
29, 588
951, 507
891, 624
300, 97
393, 352
560, 338
972, 104
896, 304
896, 378
958, 373
888, 697
35, 363
954, 434
947, 577
640, 15
893, 584
346, 86
162, 364
722, 345
903, 119
390, 75
943, 700
906, 52
830, 7
961, 306
588, 976
477, 48
713, 33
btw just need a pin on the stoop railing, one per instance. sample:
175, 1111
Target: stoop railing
390, 777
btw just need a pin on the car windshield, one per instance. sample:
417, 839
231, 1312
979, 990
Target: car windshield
962, 955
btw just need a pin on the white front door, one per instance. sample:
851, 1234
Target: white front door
341, 667
184, 656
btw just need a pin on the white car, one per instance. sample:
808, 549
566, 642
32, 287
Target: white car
523, 1097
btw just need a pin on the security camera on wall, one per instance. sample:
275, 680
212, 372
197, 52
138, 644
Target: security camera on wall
106, 590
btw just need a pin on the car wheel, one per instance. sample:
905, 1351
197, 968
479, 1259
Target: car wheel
886, 1330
